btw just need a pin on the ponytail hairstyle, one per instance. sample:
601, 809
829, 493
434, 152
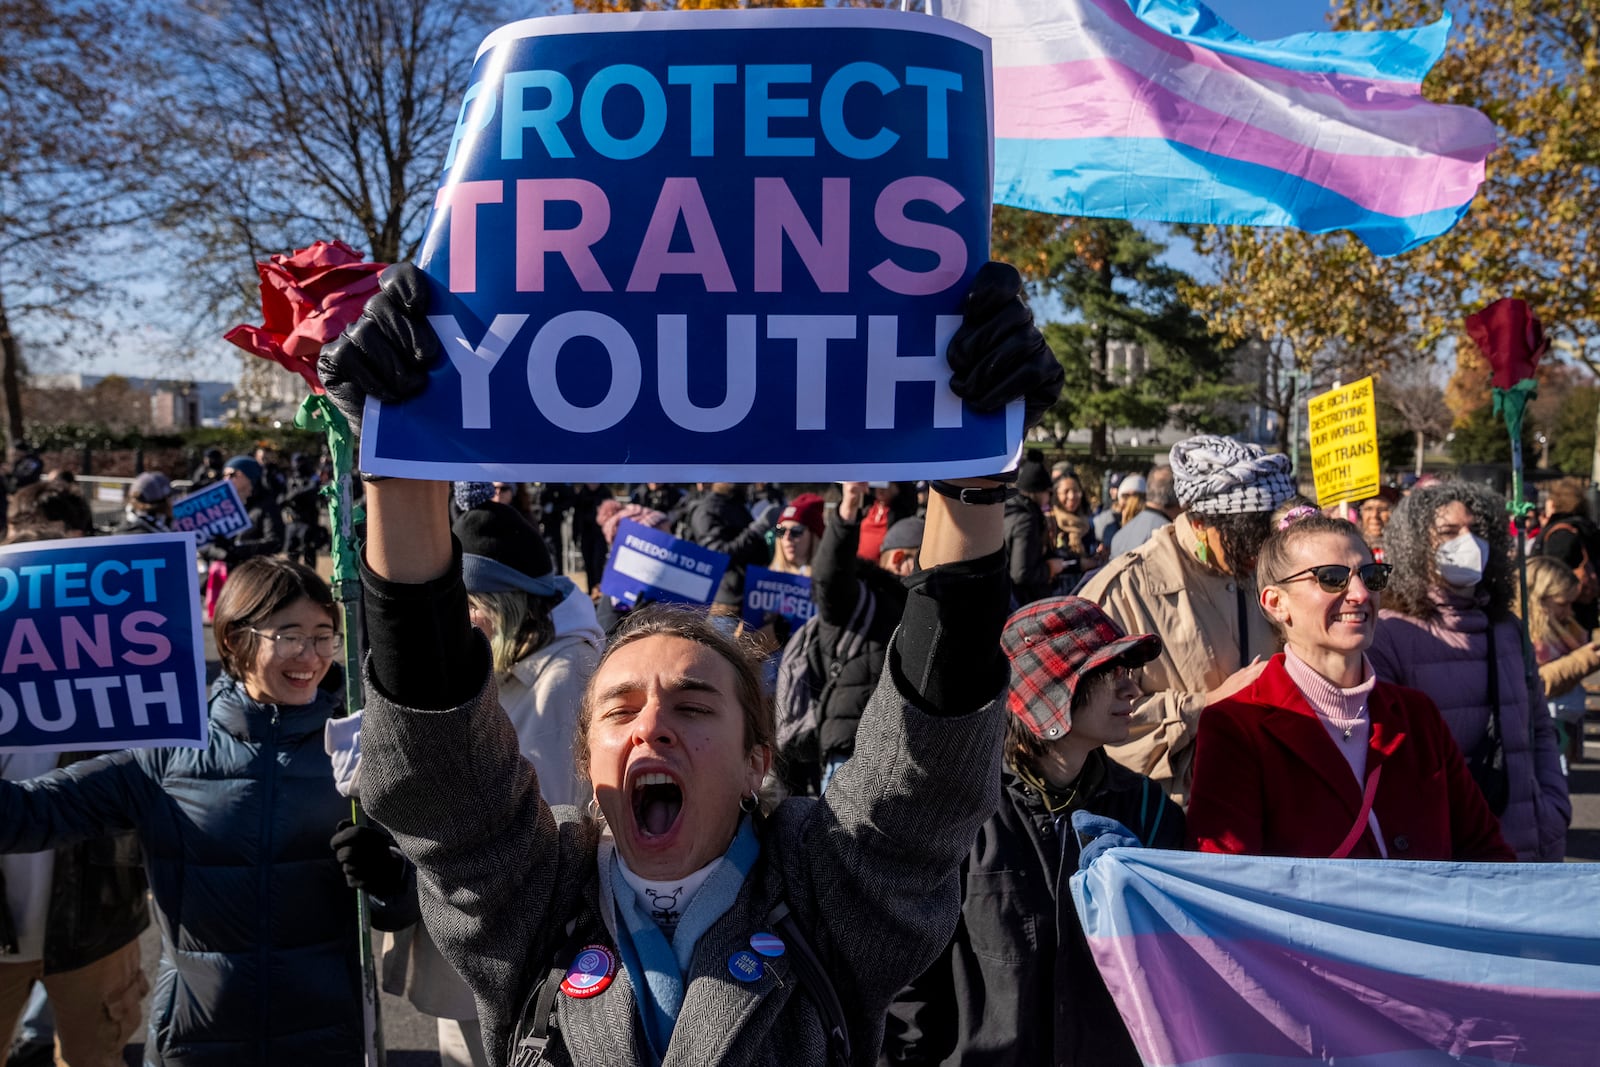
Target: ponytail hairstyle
1296, 521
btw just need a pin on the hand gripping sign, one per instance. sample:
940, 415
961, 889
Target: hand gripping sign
709, 246
100, 645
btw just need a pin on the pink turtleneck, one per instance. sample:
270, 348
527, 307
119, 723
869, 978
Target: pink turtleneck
1343, 713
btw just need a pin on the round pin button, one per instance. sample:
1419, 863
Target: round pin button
769, 945
746, 966
590, 973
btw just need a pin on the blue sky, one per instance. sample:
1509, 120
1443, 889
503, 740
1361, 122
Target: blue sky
1261, 19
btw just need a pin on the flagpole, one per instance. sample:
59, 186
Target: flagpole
1511, 404
318, 413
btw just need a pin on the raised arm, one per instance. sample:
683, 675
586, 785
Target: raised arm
886, 841
834, 587
441, 765
91, 798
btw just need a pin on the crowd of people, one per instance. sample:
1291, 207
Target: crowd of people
614, 832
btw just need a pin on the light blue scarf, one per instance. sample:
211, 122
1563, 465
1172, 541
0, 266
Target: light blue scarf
656, 968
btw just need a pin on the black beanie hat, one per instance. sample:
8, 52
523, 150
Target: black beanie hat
1032, 478
499, 532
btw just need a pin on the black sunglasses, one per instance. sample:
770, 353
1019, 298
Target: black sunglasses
1335, 577
789, 531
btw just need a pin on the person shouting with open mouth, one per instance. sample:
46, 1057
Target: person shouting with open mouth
680, 918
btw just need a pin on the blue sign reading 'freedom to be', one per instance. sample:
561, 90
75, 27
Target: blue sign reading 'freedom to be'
101, 644
647, 565
707, 246
215, 511
769, 592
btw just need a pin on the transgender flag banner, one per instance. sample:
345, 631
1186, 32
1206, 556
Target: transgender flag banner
1246, 961
1156, 109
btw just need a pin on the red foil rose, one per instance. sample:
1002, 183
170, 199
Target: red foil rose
307, 299
1510, 338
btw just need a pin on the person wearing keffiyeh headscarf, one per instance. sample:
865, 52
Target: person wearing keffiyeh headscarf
1192, 583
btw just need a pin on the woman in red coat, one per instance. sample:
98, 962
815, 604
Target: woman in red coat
1317, 757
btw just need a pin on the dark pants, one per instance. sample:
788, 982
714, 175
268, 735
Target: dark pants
302, 542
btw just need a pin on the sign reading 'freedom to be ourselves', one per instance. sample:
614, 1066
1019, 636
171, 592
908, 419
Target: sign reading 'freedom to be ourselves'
709, 246
650, 565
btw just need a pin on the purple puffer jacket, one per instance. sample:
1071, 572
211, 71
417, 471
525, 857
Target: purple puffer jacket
1447, 657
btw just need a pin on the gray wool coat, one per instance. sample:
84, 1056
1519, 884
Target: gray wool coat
868, 871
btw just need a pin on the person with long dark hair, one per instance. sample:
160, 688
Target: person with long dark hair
1448, 630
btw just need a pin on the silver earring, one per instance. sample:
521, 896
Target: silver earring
750, 803
592, 809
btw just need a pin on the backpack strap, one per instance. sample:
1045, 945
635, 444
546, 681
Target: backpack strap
534, 1030
815, 978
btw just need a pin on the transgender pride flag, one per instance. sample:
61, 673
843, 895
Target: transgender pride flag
1156, 109
1244, 961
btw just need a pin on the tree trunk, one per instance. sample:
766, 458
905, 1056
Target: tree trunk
1280, 436
11, 384
1594, 464
1097, 441
1422, 444
1100, 357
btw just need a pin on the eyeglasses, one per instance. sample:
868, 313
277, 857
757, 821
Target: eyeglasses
291, 645
1335, 577
790, 531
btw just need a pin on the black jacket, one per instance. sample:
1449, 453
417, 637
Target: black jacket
1577, 539
97, 898
264, 538
839, 581
722, 523
663, 498
304, 499
1017, 985
1027, 550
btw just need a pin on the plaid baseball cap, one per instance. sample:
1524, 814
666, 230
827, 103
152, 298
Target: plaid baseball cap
1053, 644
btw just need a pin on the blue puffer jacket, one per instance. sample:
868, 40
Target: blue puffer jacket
258, 929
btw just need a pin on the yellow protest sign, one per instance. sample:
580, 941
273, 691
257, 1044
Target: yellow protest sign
1343, 426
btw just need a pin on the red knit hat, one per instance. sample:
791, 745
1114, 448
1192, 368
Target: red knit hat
806, 509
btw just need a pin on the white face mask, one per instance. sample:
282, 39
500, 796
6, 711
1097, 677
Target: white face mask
1460, 560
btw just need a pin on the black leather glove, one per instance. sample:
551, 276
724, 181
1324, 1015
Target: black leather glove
370, 859
998, 355
387, 352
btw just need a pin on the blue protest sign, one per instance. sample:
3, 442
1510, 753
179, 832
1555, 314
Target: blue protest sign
648, 565
707, 246
215, 511
101, 644
769, 592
